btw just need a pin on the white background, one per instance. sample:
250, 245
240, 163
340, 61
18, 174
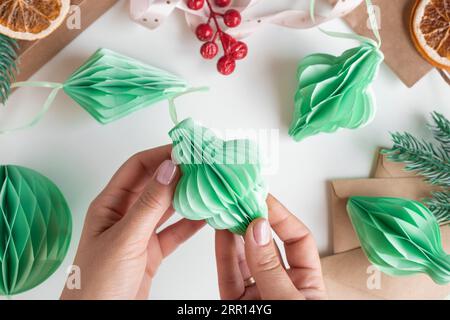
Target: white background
80, 155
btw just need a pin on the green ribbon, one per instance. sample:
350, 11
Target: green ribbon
51, 97
172, 106
373, 25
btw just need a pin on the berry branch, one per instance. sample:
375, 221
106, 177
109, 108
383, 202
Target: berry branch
233, 49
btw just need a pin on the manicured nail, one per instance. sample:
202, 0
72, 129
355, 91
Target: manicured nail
166, 172
261, 232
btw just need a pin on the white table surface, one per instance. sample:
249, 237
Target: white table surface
80, 155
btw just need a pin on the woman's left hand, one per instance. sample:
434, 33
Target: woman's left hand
121, 248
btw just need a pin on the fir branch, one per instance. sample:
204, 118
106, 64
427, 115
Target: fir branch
441, 130
8, 57
421, 156
429, 160
439, 205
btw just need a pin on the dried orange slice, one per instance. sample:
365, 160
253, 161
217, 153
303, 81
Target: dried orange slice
430, 29
31, 19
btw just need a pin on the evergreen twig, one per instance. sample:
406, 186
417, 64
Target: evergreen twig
421, 156
441, 130
429, 159
439, 205
8, 57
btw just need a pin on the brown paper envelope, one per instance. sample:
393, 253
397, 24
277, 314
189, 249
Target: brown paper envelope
388, 169
344, 237
397, 46
346, 276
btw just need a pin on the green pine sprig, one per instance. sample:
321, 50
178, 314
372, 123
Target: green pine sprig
426, 158
439, 205
441, 130
8, 58
429, 159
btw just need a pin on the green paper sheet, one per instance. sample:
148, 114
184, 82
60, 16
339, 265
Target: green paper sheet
220, 180
400, 237
334, 92
35, 229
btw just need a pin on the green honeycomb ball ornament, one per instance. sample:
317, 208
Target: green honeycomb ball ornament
35, 229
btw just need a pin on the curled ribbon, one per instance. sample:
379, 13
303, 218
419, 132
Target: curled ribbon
372, 20
152, 13
52, 96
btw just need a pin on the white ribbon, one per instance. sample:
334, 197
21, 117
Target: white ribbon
152, 13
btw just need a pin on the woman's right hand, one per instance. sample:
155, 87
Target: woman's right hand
254, 269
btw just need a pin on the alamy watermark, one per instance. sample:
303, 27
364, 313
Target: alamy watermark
234, 147
374, 279
73, 281
73, 21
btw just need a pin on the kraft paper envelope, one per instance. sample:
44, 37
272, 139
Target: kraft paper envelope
349, 275
399, 51
388, 169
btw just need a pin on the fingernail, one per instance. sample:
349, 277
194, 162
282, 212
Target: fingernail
261, 232
166, 172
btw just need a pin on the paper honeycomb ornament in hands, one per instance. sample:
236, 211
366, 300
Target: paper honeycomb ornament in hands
221, 180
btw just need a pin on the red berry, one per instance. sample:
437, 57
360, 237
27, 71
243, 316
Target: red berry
227, 41
209, 50
195, 4
222, 3
239, 50
204, 32
226, 65
232, 18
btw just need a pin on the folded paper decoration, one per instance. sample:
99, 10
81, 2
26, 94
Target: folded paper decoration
110, 86
350, 276
35, 229
400, 237
344, 236
347, 273
334, 92
220, 180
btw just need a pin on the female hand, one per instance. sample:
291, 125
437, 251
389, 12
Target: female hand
260, 261
120, 248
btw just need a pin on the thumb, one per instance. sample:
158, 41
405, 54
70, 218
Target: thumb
264, 263
143, 217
